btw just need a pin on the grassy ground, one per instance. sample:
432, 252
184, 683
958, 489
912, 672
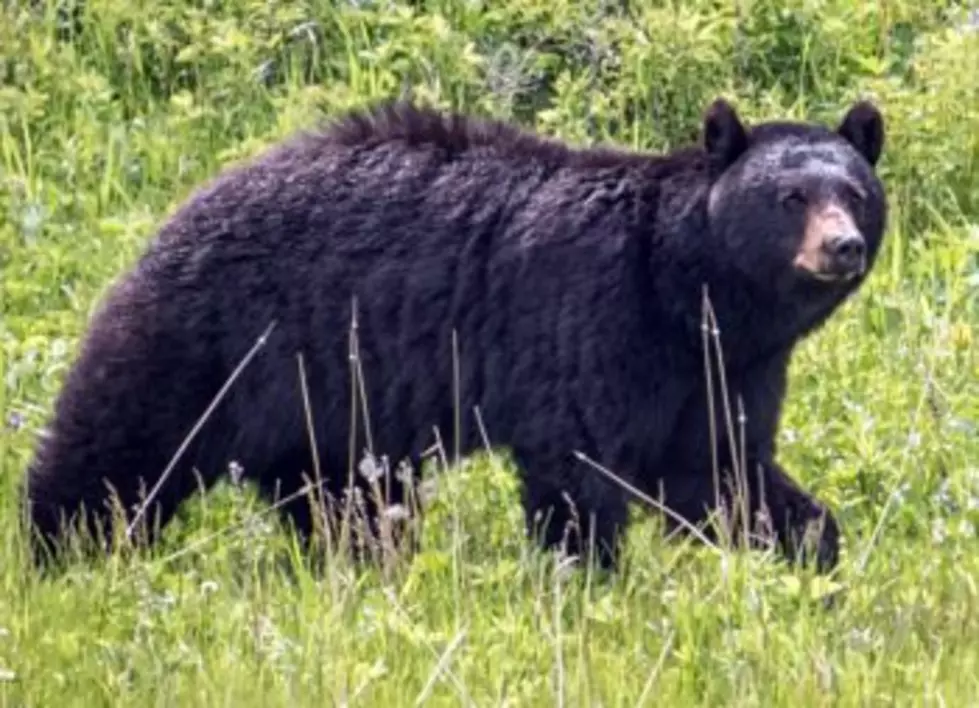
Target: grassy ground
110, 115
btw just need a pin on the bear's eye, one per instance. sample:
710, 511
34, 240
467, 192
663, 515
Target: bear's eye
793, 198
855, 200
854, 194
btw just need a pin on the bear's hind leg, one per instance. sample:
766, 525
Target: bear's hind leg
133, 395
95, 468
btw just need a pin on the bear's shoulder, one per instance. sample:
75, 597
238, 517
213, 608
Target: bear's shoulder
457, 134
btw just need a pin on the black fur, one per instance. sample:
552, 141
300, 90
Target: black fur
573, 277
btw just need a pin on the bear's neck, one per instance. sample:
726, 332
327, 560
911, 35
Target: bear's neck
752, 323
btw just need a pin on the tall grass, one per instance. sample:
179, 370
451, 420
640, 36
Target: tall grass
112, 111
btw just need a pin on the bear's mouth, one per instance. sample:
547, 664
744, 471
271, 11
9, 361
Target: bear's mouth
825, 270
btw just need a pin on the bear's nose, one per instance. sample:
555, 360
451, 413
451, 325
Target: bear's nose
847, 252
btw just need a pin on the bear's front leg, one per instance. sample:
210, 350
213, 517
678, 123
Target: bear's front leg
569, 506
802, 526
776, 509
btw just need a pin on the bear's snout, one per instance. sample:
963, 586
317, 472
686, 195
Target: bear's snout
833, 249
846, 253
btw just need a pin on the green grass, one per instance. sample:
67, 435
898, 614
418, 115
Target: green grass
104, 131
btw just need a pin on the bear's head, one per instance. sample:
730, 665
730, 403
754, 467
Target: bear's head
795, 206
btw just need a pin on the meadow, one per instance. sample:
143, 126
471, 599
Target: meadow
113, 111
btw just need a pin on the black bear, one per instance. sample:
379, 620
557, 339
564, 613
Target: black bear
558, 291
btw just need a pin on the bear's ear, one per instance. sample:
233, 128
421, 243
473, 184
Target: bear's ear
863, 127
725, 138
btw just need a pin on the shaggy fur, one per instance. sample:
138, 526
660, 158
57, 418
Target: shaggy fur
574, 279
